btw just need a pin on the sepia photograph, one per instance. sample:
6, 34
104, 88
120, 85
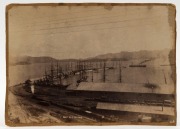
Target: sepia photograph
90, 64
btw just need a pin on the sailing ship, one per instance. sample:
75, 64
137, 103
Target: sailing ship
57, 79
54, 79
50, 84
81, 70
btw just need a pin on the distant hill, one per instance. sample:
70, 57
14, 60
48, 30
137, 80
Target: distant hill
144, 55
23, 60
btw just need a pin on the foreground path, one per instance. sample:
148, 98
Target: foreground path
28, 110
22, 111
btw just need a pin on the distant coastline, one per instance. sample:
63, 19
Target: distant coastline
122, 56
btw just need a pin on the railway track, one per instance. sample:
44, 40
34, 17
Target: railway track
78, 111
64, 109
61, 111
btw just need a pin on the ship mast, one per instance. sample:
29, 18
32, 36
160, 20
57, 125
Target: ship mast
57, 70
100, 64
45, 74
92, 76
90, 63
96, 65
71, 67
52, 72
80, 69
78, 65
104, 72
120, 78
66, 68
60, 75
164, 77
84, 68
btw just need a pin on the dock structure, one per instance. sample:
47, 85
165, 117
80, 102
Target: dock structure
125, 87
127, 97
94, 97
137, 108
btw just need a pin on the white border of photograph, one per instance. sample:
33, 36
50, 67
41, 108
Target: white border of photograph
3, 4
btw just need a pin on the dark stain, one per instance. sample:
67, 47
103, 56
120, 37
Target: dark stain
172, 61
35, 111
69, 7
149, 7
15, 120
108, 7
85, 6
171, 15
35, 7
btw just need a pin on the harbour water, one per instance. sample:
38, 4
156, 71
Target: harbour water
150, 74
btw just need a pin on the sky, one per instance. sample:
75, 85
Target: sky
64, 32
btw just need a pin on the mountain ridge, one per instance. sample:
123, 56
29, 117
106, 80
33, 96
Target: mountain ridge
123, 55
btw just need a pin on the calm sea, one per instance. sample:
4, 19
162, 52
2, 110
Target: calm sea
20, 73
